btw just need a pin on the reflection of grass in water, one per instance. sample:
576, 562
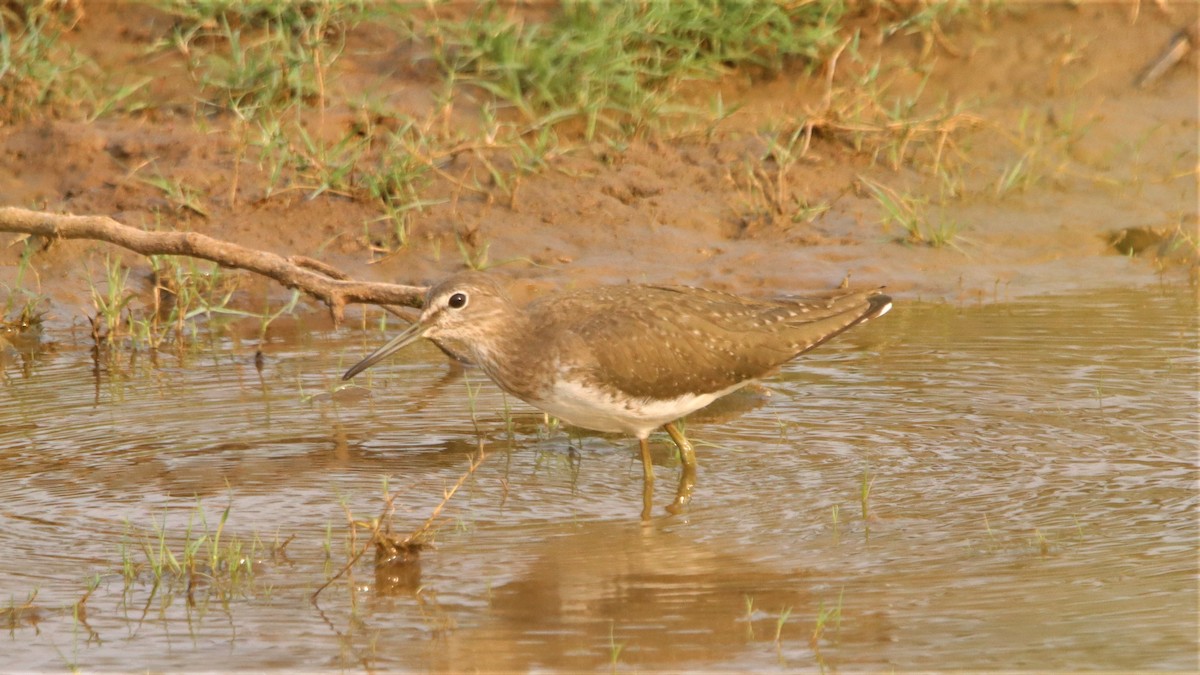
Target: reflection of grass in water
1045, 541
19, 614
204, 564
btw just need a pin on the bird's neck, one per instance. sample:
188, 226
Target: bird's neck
502, 351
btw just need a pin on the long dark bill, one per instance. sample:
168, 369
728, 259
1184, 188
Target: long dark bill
410, 335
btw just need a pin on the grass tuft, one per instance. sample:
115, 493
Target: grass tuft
913, 216
618, 66
259, 55
203, 560
39, 75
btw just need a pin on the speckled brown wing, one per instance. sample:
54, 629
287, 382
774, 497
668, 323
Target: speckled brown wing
661, 342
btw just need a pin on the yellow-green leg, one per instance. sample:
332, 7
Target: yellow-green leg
687, 475
647, 480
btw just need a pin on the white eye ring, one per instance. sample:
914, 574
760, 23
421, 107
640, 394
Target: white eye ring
457, 301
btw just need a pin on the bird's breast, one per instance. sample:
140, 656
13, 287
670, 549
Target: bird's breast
603, 409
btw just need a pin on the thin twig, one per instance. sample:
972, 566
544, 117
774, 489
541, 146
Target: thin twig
379, 523
420, 532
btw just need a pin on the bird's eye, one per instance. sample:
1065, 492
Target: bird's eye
457, 301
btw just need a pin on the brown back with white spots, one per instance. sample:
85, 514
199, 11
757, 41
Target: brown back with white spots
662, 342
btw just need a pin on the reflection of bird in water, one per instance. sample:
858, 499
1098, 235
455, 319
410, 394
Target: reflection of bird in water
665, 597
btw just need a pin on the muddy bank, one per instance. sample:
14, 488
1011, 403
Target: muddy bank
1012, 146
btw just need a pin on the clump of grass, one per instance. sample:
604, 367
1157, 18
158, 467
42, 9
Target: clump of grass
864, 496
189, 297
259, 73
749, 618
21, 314
110, 302
826, 616
782, 619
295, 159
289, 13
185, 289
912, 215
269, 62
38, 74
20, 319
397, 180
1044, 540
182, 197
258, 55
927, 19
878, 112
1017, 176
891, 128
202, 559
616, 66
186, 297
768, 195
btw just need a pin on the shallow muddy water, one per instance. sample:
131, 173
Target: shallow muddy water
1030, 467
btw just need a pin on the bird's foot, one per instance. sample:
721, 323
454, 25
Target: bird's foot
683, 494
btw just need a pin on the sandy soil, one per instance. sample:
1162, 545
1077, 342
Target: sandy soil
1051, 83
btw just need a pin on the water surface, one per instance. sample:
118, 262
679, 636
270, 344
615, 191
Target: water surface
1030, 471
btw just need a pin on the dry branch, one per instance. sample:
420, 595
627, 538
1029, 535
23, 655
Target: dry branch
309, 276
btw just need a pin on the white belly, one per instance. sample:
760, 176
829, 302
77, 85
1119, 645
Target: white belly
596, 409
